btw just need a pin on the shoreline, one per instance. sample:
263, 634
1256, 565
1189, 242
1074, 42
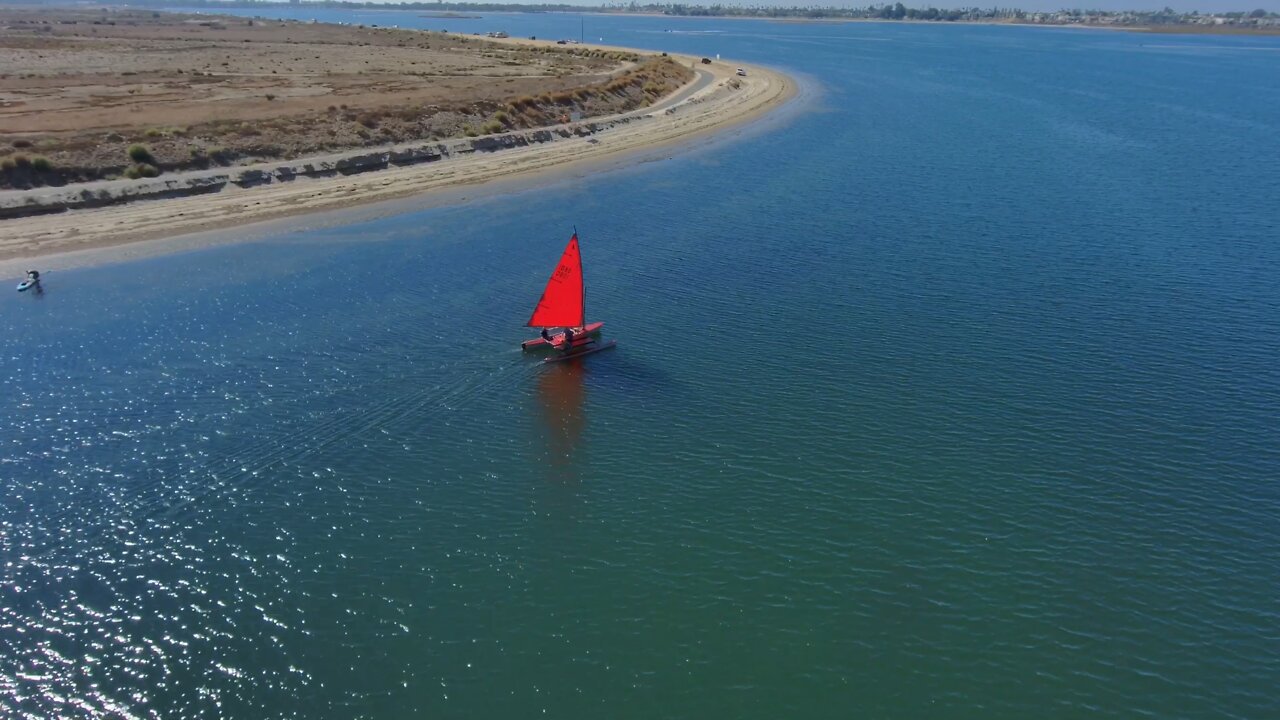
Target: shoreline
78, 237
1174, 29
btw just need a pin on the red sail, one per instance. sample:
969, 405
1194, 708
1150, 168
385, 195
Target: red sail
562, 303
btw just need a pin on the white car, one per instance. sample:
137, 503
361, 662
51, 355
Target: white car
742, 72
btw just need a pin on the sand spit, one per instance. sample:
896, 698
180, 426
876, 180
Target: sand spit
717, 99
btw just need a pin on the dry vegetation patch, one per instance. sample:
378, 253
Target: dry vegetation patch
95, 93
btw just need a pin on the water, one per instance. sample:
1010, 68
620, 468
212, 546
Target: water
956, 396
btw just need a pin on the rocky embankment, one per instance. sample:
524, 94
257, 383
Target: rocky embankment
46, 200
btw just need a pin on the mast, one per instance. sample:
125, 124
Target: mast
582, 278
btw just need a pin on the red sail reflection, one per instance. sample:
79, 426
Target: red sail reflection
561, 394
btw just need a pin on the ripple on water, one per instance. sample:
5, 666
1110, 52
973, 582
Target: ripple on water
954, 412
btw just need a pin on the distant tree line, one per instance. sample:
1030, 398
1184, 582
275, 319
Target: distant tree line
895, 11
899, 11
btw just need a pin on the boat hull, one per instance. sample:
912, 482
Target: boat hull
587, 350
540, 344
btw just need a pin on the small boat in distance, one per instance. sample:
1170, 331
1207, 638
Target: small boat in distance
563, 305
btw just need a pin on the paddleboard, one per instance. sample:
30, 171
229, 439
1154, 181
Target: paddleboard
580, 353
27, 285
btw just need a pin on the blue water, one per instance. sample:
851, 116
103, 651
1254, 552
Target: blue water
954, 396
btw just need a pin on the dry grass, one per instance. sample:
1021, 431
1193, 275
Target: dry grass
196, 91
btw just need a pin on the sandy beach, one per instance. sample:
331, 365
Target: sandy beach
718, 98
708, 109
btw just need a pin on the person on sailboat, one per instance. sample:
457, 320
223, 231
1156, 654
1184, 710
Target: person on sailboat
568, 338
546, 335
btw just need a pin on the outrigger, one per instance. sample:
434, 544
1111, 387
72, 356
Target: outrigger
563, 309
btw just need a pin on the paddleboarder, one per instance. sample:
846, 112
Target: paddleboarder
31, 283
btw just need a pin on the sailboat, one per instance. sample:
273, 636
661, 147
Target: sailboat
563, 305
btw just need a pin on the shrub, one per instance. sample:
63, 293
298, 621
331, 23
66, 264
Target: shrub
7, 164
493, 127
502, 117
469, 131
22, 143
153, 133
22, 161
269, 96
41, 164
140, 153
141, 170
